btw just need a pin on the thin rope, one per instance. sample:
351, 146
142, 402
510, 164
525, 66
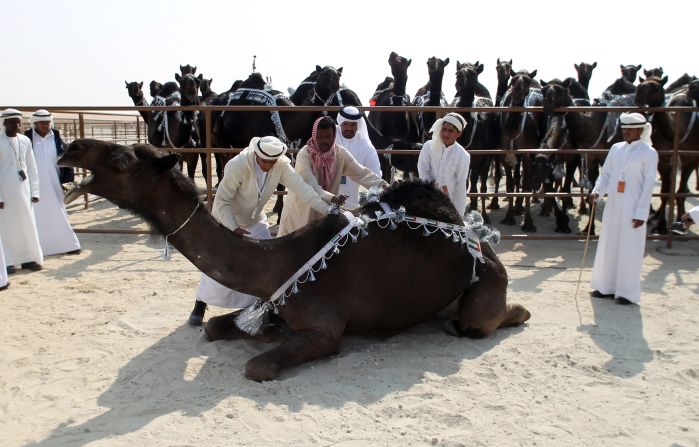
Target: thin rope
582, 265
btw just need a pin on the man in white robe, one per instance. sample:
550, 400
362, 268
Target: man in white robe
444, 161
352, 134
322, 163
627, 178
4, 283
19, 190
248, 182
691, 217
55, 233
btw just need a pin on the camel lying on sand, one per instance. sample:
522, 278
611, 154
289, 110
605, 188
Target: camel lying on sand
386, 282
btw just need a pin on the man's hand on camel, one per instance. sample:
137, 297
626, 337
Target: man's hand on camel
241, 231
339, 200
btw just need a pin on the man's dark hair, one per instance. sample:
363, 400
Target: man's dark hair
327, 123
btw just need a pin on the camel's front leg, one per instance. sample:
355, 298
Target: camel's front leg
223, 327
301, 347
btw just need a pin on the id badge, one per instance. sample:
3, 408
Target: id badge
620, 186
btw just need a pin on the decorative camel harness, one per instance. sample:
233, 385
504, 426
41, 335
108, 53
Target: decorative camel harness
253, 319
263, 98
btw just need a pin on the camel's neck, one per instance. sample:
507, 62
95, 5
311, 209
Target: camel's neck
466, 96
400, 80
502, 89
139, 99
584, 81
256, 267
435, 85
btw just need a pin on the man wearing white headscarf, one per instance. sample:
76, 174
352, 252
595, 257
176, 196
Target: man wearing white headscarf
249, 180
352, 134
55, 233
322, 163
19, 190
627, 178
444, 161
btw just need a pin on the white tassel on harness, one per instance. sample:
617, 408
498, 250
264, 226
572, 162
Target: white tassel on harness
166, 252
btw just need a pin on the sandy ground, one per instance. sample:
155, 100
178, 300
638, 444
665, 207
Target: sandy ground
95, 352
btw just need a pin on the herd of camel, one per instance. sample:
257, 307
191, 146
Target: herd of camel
531, 172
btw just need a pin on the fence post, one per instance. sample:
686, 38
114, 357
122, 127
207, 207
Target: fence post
81, 120
673, 178
138, 129
209, 176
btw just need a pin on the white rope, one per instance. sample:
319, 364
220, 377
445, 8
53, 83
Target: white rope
166, 253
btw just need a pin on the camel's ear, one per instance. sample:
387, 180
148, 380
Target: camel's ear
339, 70
200, 77
479, 70
410, 61
510, 62
621, 66
140, 84
498, 61
181, 67
446, 62
476, 63
543, 83
127, 84
178, 78
577, 67
638, 67
166, 162
512, 73
663, 81
318, 69
646, 72
594, 65
532, 74
458, 65
641, 80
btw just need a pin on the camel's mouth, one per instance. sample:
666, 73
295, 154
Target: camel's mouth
82, 188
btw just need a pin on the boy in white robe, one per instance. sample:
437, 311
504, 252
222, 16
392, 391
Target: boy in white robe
627, 178
444, 161
248, 182
55, 233
19, 190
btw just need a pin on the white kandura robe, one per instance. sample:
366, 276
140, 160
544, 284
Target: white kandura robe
20, 240
55, 233
239, 203
620, 249
447, 167
694, 214
365, 154
3, 266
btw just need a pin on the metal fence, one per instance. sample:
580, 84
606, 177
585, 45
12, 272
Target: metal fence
115, 124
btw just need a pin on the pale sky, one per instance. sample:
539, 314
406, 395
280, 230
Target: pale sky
79, 52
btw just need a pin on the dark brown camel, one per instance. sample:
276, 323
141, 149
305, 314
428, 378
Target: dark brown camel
657, 72
521, 130
504, 71
205, 88
397, 125
430, 95
187, 69
358, 293
135, 90
585, 73
481, 132
154, 88
629, 72
651, 93
177, 129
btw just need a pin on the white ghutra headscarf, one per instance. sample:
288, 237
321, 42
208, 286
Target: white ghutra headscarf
452, 118
635, 121
352, 114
